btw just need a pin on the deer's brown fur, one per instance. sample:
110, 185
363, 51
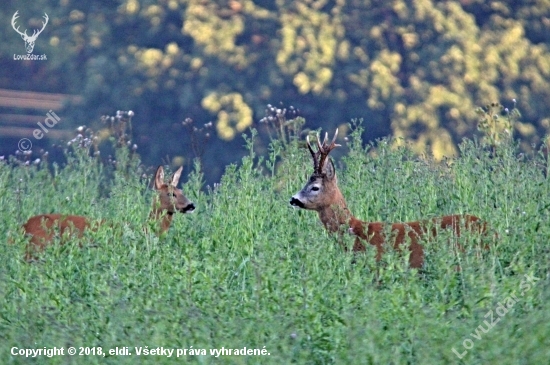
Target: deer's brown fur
168, 200
321, 193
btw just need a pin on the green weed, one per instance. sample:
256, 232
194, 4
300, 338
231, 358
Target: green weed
248, 270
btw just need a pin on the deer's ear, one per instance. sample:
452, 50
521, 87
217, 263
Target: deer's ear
176, 177
329, 170
159, 178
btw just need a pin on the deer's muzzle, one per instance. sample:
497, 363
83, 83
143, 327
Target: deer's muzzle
296, 203
189, 208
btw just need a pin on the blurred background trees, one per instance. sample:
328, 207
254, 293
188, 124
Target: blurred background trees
412, 69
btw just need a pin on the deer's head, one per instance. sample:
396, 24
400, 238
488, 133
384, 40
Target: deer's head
29, 40
170, 199
321, 191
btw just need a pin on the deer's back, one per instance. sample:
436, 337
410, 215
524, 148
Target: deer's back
374, 233
41, 228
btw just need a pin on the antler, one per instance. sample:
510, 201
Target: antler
43, 25
314, 155
13, 19
323, 150
35, 33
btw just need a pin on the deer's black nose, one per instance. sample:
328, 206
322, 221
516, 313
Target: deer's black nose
296, 203
188, 208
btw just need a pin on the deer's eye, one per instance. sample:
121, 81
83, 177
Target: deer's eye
172, 195
315, 188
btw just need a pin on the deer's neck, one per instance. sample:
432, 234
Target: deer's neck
163, 220
336, 213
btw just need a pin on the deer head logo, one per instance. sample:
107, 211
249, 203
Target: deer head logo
29, 41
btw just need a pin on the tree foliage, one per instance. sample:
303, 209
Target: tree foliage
413, 69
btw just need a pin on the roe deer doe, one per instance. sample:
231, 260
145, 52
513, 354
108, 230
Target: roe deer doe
321, 194
169, 200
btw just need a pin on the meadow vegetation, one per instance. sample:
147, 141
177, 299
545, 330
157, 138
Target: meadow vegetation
247, 270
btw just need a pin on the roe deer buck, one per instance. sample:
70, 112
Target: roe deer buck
168, 201
321, 194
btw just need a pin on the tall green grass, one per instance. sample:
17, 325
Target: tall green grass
247, 270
